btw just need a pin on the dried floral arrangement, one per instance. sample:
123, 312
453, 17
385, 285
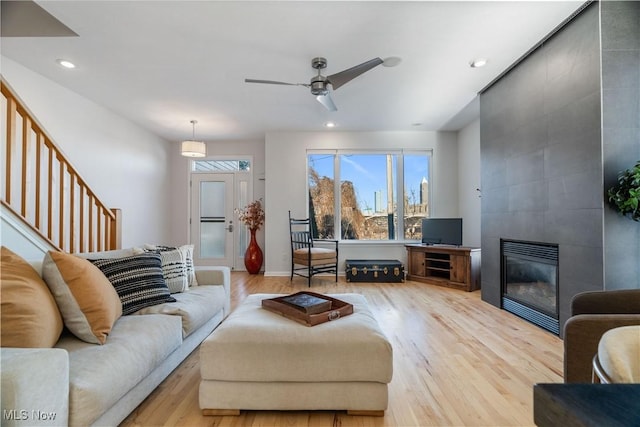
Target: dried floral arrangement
252, 215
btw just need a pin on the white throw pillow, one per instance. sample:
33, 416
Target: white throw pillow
186, 252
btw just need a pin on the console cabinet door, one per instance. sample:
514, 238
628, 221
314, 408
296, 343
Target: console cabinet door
417, 263
458, 268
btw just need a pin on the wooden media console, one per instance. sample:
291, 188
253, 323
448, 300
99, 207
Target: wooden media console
451, 266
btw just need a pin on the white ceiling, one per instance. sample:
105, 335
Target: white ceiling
164, 63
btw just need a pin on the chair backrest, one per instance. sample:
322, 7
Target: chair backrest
300, 232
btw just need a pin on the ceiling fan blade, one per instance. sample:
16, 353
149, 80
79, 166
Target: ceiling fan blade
346, 76
327, 102
273, 82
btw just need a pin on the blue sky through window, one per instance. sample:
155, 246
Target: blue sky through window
368, 174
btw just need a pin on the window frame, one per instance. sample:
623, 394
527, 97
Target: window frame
399, 188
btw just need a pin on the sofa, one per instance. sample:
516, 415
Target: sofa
97, 375
592, 314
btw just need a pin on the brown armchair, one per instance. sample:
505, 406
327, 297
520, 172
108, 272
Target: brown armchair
592, 314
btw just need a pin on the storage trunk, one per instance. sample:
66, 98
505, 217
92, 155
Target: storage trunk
380, 270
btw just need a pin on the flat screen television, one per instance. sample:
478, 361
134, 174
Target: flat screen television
442, 231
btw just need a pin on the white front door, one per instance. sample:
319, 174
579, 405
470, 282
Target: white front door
212, 218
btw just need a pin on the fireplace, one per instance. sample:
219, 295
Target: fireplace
529, 281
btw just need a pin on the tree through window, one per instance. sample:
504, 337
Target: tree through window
370, 185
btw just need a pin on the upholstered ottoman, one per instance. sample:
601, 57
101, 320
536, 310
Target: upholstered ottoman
259, 360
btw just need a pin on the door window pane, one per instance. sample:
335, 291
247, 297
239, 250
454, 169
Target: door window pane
212, 219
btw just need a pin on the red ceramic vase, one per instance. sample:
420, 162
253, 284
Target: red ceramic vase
253, 255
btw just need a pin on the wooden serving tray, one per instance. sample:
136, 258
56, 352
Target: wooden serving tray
339, 309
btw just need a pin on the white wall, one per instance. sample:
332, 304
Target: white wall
285, 185
469, 181
125, 165
145, 176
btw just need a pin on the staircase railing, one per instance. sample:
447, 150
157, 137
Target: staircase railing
45, 190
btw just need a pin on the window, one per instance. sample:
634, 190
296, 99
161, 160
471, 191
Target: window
369, 187
221, 165
321, 195
416, 194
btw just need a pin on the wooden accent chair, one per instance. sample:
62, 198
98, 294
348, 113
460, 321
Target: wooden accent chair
308, 260
593, 314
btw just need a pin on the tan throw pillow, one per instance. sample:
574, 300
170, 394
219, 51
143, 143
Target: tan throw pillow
30, 317
88, 302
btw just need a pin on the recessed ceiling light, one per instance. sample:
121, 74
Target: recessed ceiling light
477, 63
66, 64
329, 125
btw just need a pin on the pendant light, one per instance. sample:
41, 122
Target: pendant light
193, 148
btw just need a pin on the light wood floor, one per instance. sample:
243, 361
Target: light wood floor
457, 361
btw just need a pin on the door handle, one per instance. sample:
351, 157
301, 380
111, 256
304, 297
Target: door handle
230, 227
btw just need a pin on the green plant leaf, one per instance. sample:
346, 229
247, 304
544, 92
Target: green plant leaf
625, 197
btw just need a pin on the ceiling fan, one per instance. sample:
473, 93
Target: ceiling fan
319, 83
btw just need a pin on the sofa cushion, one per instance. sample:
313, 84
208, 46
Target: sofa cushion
100, 376
137, 279
88, 303
35, 381
195, 307
304, 254
30, 316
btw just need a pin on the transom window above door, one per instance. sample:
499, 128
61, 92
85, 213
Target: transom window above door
221, 165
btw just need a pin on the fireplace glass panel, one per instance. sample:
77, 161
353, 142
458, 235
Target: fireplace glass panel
532, 283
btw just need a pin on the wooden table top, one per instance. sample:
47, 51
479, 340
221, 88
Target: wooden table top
573, 405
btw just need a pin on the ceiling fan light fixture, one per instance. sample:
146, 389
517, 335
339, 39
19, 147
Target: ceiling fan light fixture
191, 147
327, 102
391, 61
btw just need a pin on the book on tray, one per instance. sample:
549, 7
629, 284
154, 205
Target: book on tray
307, 303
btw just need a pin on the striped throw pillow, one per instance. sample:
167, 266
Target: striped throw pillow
174, 269
138, 280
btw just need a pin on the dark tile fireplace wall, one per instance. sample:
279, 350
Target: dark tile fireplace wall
542, 154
